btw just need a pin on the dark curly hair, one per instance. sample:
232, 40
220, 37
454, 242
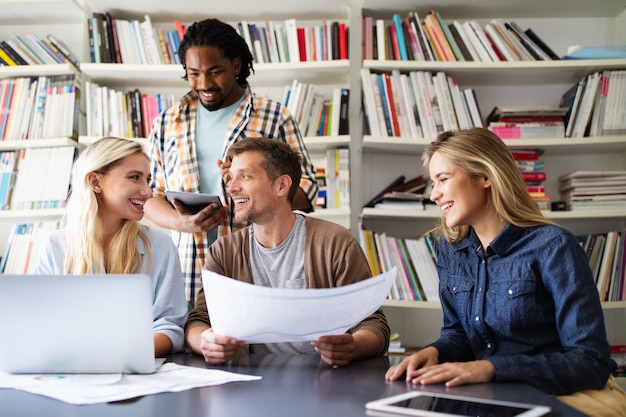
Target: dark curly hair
214, 32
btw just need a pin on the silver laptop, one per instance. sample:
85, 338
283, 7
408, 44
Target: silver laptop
65, 324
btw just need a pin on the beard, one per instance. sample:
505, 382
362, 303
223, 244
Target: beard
213, 105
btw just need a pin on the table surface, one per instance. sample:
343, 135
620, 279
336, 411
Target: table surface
291, 385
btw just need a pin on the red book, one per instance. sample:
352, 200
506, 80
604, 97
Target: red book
618, 348
536, 189
393, 114
302, 43
394, 42
145, 115
343, 41
521, 155
533, 176
180, 29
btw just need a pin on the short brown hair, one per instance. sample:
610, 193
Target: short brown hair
278, 159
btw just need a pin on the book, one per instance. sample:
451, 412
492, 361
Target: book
397, 181
541, 44
65, 51
458, 39
400, 40
477, 45
451, 40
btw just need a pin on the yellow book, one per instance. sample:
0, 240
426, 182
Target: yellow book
6, 58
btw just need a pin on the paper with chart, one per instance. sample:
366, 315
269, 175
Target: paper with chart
258, 314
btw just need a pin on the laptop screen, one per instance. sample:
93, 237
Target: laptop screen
76, 324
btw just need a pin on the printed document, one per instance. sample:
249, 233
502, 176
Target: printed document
257, 314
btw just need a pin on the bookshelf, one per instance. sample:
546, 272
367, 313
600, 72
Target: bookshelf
513, 84
374, 161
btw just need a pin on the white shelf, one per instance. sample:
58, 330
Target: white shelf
36, 70
505, 73
10, 145
436, 214
318, 72
322, 143
549, 146
461, 9
32, 215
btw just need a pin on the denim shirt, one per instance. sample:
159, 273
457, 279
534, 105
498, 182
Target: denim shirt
530, 306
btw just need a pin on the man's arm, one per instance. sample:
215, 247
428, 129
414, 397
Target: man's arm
163, 214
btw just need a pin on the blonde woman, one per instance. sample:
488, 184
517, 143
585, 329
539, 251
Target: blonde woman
103, 234
518, 296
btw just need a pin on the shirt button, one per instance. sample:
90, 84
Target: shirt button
510, 292
477, 318
480, 289
488, 345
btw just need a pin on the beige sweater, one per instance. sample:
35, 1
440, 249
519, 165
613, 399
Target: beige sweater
333, 258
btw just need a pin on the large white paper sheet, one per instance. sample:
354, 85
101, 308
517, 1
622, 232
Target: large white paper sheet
92, 389
257, 314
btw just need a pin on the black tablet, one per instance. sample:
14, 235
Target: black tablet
425, 404
193, 201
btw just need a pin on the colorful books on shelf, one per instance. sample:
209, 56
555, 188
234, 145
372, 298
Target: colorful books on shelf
419, 104
527, 123
130, 114
36, 178
415, 260
132, 41
533, 173
336, 178
593, 190
290, 41
606, 254
31, 49
410, 38
316, 114
21, 251
39, 108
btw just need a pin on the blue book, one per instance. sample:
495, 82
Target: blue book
382, 88
397, 21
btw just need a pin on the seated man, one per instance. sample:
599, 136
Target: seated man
282, 249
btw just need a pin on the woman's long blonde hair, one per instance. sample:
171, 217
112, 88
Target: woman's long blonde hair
482, 154
84, 251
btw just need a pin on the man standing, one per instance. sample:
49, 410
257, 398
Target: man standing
283, 249
189, 140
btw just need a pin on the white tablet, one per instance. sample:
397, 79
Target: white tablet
193, 201
420, 403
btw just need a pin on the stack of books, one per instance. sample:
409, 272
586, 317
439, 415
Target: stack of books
527, 123
402, 194
593, 190
534, 175
431, 39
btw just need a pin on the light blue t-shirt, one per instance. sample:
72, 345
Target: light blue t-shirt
211, 129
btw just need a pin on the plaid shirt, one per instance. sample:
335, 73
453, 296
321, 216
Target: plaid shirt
174, 164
